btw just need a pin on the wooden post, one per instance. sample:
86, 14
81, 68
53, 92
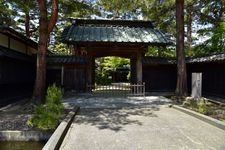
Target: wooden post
139, 67
133, 71
93, 70
62, 75
89, 71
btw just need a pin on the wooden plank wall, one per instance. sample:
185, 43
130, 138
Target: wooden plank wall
213, 78
162, 78
74, 78
159, 78
16, 79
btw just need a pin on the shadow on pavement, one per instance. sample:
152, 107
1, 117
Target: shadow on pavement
114, 112
113, 119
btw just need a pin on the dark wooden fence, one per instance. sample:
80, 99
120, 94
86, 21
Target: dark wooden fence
213, 78
16, 80
74, 78
160, 78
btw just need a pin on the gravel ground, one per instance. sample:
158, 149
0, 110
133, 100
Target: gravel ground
15, 116
14, 122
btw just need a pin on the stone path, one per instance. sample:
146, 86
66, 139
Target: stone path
115, 102
148, 125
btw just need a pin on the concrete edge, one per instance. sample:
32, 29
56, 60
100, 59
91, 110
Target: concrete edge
24, 135
212, 121
58, 136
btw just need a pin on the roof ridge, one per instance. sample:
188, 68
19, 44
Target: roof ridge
130, 23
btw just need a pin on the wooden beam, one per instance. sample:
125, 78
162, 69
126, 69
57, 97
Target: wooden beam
62, 76
139, 68
89, 71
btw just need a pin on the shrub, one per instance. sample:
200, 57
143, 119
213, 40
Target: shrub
193, 104
202, 107
47, 115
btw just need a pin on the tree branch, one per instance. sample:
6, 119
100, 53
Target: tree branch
54, 16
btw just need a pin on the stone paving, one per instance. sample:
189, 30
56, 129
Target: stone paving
138, 123
87, 101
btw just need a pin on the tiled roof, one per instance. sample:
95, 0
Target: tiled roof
206, 59
158, 60
214, 58
63, 59
113, 31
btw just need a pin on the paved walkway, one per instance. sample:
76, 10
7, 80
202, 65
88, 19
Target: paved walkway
149, 125
115, 102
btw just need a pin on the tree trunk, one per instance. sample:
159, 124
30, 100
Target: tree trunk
181, 89
39, 90
45, 27
189, 28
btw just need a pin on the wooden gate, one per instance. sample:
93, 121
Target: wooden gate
117, 89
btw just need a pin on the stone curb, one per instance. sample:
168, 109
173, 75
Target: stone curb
58, 136
202, 117
24, 135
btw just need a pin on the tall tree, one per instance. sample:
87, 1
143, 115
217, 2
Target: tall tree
189, 21
212, 17
28, 12
46, 25
7, 15
181, 89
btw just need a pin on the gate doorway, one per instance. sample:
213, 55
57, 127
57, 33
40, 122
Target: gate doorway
112, 69
116, 75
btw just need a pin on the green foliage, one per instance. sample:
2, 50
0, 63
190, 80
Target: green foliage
105, 66
75, 8
160, 51
161, 12
216, 42
102, 79
60, 48
47, 115
199, 105
193, 104
119, 6
202, 107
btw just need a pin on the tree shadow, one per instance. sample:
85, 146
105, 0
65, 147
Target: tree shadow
114, 119
114, 113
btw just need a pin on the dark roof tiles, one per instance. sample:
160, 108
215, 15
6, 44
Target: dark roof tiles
214, 58
205, 59
121, 31
63, 59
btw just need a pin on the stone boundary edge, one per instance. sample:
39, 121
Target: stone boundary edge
24, 135
58, 136
202, 117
